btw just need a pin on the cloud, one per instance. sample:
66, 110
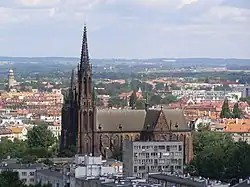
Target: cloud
39, 3
244, 4
127, 28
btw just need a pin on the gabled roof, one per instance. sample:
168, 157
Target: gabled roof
16, 130
137, 120
131, 120
172, 117
4, 131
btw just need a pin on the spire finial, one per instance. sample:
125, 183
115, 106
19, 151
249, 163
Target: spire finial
84, 52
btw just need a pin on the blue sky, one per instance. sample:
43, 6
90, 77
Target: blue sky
126, 28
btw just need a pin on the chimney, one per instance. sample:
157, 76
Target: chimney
237, 121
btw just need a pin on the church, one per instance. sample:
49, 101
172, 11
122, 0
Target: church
94, 131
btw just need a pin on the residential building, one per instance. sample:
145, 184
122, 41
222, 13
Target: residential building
50, 176
243, 183
55, 129
19, 133
166, 180
141, 158
26, 172
112, 181
5, 133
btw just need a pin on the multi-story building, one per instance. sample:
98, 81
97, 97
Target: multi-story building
55, 129
5, 133
167, 180
141, 158
49, 176
246, 91
26, 172
88, 167
19, 133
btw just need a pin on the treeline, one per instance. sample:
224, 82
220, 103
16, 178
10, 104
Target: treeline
40, 143
217, 156
11, 179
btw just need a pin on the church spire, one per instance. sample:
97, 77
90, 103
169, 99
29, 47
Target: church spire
84, 52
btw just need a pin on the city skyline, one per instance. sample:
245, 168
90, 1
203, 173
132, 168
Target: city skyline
126, 29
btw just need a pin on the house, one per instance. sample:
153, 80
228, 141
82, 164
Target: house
19, 133
26, 172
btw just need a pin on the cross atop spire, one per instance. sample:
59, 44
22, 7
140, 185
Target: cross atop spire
84, 53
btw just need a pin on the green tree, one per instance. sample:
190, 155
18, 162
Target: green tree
140, 104
206, 80
160, 86
116, 102
132, 100
15, 149
236, 111
225, 111
40, 137
217, 156
169, 99
203, 127
245, 99
155, 100
28, 159
10, 179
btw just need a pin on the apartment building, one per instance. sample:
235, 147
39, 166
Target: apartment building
26, 172
50, 176
168, 180
141, 158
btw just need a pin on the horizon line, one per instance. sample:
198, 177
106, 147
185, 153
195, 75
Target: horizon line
123, 58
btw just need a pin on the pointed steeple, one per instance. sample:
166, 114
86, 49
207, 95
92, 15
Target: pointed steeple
84, 52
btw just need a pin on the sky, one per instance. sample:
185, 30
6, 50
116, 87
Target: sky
126, 28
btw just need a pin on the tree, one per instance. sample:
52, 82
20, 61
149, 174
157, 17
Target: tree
203, 127
236, 111
40, 137
116, 102
155, 100
160, 86
15, 149
245, 99
140, 104
217, 156
169, 99
225, 111
206, 80
10, 179
132, 100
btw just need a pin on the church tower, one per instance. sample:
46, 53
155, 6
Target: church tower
85, 105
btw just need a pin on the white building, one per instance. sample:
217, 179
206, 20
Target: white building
50, 176
51, 118
90, 166
26, 172
140, 158
56, 130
